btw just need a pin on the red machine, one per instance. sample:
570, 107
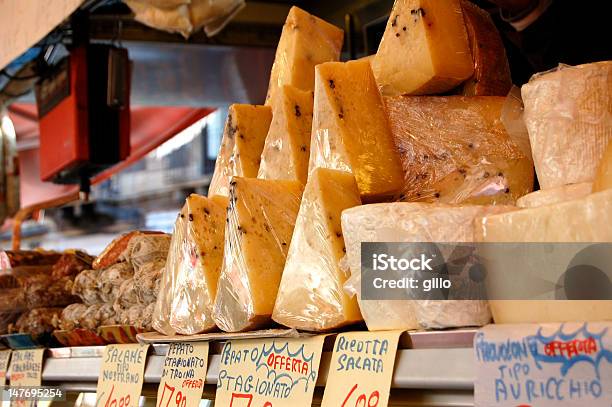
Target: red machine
84, 114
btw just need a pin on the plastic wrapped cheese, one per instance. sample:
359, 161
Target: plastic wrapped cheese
260, 221
581, 220
568, 112
555, 195
414, 222
455, 149
287, 147
424, 50
197, 254
350, 131
603, 178
243, 140
491, 70
305, 42
311, 296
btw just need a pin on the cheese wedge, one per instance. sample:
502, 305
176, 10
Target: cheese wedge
194, 263
311, 295
455, 149
555, 195
305, 42
603, 179
581, 220
414, 222
491, 70
568, 113
243, 140
424, 49
260, 220
350, 131
287, 148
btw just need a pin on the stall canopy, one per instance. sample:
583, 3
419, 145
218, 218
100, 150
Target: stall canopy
150, 127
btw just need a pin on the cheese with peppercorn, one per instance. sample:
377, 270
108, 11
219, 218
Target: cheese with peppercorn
260, 219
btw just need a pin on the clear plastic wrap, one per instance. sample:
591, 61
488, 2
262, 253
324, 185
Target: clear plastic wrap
305, 42
424, 50
240, 151
147, 248
414, 222
555, 195
193, 266
310, 296
603, 179
568, 112
260, 221
456, 150
491, 70
287, 147
350, 131
116, 251
586, 219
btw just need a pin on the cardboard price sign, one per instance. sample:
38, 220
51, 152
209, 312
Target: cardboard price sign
5, 356
544, 365
26, 370
361, 369
269, 372
121, 375
183, 375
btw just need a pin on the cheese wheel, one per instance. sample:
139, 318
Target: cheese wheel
260, 221
414, 222
568, 112
455, 149
311, 295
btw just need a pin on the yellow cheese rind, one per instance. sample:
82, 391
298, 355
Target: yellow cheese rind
555, 195
581, 220
311, 295
603, 179
243, 140
414, 222
260, 220
305, 42
424, 49
568, 113
455, 149
287, 147
350, 131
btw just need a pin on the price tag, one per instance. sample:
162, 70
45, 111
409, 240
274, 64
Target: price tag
5, 356
121, 375
361, 369
269, 372
544, 365
26, 370
183, 375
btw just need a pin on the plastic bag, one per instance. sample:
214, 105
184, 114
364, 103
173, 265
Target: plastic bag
415, 222
455, 149
555, 195
568, 112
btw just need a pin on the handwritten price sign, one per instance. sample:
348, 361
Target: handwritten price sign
269, 372
361, 369
121, 375
26, 370
5, 356
544, 365
183, 375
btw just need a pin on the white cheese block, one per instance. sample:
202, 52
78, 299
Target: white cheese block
414, 222
568, 113
554, 195
581, 220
